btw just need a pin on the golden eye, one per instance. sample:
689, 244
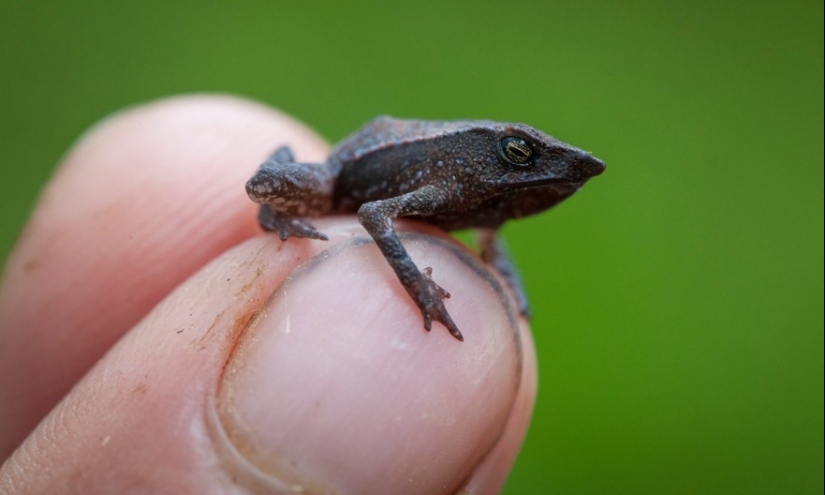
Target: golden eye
516, 150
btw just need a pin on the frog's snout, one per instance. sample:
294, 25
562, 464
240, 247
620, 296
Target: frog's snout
589, 165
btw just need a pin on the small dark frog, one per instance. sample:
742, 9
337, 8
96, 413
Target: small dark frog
453, 174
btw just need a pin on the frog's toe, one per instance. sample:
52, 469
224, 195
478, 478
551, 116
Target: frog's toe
524, 309
301, 228
314, 234
434, 308
451, 327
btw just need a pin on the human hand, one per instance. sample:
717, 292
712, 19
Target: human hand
173, 347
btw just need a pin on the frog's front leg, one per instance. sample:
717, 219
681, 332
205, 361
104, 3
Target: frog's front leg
377, 217
288, 191
494, 252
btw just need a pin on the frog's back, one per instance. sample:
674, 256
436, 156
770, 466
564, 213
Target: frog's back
390, 157
386, 132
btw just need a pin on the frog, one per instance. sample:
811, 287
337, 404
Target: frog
454, 174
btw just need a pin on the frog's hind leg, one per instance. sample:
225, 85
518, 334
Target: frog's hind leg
494, 251
288, 191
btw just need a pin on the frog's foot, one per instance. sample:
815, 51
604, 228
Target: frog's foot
287, 227
524, 306
431, 302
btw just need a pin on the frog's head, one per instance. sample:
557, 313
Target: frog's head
526, 157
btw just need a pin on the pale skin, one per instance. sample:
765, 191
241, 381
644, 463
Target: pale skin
126, 321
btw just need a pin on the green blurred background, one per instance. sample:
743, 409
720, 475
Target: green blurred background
678, 298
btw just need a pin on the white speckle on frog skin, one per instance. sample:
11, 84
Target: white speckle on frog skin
262, 189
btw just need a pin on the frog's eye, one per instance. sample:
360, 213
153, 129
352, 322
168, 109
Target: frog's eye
516, 150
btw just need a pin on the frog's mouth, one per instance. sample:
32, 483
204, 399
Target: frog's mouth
557, 183
561, 187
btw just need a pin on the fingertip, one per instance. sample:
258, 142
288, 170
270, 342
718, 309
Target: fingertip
361, 383
332, 385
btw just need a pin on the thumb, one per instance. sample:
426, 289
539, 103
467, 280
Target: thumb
289, 368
